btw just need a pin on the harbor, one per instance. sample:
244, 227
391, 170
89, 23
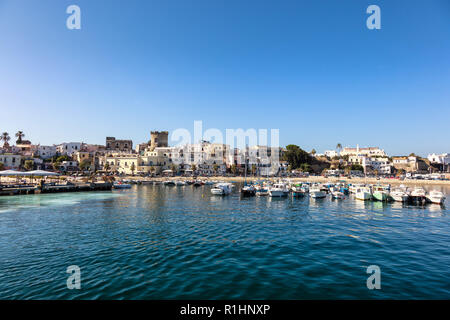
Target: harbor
161, 240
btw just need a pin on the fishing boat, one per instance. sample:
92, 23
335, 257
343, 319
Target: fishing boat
222, 189
121, 185
380, 193
278, 190
297, 190
316, 192
436, 197
399, 195
363, 193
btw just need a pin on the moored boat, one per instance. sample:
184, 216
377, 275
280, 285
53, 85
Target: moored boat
222, 189
436, 197
363, 193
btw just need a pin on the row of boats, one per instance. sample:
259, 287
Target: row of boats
284, 188
416, 195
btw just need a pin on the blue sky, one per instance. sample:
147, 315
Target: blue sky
308, 68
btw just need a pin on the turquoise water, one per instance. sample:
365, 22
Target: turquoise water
157, 242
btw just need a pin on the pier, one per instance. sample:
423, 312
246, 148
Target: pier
11, 190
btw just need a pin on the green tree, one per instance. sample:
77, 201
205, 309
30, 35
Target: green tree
193, 168
29, 165
215, 168
233, 168
107, 166
339, 147
19, 136
253, 169
152, 169
85, 165
132, 168
2, 166
295, 156
313, 151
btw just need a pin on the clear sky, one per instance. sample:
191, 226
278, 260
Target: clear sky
311, 69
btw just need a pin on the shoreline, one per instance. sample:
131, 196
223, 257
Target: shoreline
319, 179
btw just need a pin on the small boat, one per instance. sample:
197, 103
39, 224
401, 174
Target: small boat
399, 195
278, 190
222, 189
380, 193
121, 185
435, 197
298, 191
198, 183
363, 193
338, 195
248, 191
418, 195
169, 183
180, 183
316, 192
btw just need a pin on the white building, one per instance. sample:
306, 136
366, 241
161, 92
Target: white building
69, 165
381, 165
368, 152
46, 152
443, 158
331, 154
10, 161
69, 148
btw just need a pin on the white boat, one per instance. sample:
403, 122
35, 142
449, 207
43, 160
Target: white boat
316, 192
169, 183
121, 185
338, 195
363, 193
278, 190
436, 197
399, 195
418, 195
222, 189
180, 183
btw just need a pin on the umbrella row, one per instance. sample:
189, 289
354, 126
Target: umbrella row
34, 173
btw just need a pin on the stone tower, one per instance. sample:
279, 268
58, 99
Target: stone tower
159, 139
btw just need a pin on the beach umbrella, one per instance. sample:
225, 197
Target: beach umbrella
41, 173
9, 173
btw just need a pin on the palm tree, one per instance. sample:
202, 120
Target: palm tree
19, 136
5, 137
